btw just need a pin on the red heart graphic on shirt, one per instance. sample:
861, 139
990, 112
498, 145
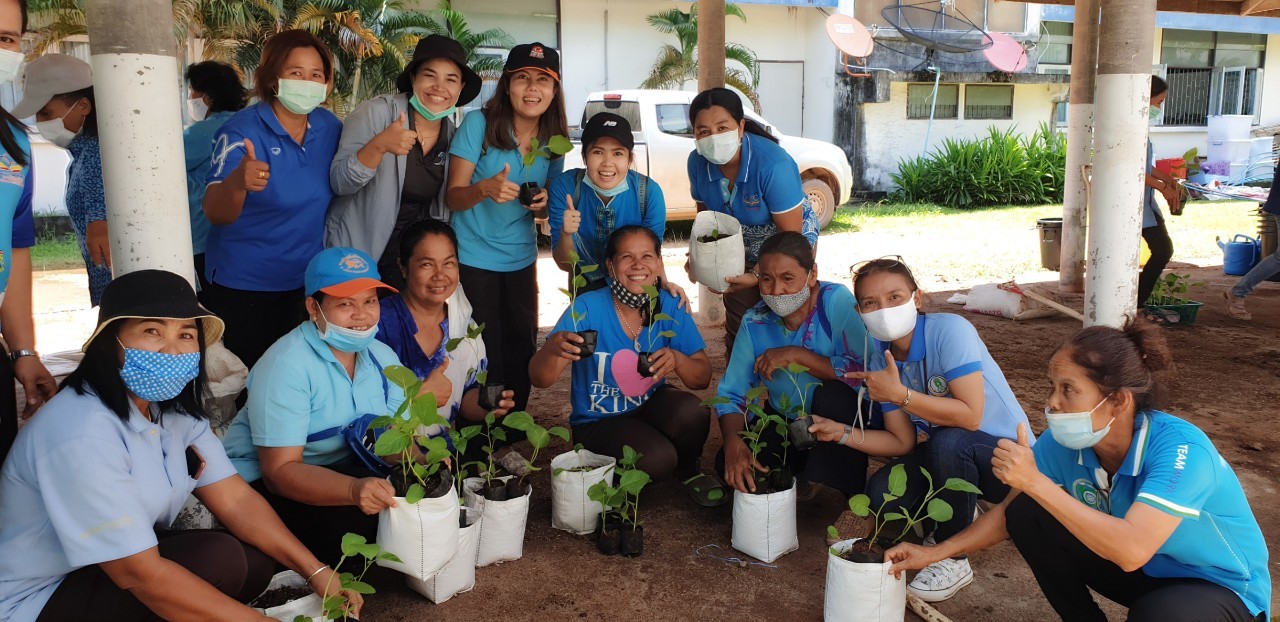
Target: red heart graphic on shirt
628, 379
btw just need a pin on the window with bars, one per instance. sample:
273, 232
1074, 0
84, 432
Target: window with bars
920, 101
1210, 73
987, 101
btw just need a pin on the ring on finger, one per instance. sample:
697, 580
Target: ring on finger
262, 174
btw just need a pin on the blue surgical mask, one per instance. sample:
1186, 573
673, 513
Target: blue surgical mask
609, 193
427, 114
157, 376
719, 148
1153, 112
345, 339
1075, 430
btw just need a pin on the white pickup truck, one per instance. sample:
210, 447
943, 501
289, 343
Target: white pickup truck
664, 138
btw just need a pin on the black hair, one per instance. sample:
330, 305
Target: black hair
892, 265
90, 127
8, 122
1124, 359
99, 372
793, 244
500, 115
1158, 85
417, 230
615, 239
220, 82
730, 101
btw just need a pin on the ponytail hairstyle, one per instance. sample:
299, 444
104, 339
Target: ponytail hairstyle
1133, 358
730, 101
8, 122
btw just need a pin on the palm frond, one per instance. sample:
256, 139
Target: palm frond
738, 81
745, 57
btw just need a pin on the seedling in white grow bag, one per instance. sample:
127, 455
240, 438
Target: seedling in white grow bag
643, 364
492, 433
335, 603
589, 337
418, 456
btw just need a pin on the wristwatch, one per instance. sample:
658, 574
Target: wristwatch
17, 354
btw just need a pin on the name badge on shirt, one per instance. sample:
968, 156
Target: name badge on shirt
751, 201
10, 171
938, 386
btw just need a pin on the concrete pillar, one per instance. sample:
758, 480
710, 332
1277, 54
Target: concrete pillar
1123, 96
1084, 71
710, 75
135, 69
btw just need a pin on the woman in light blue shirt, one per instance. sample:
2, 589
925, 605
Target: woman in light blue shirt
94, 483
215, 95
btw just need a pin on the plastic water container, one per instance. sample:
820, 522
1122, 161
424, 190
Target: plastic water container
1239, 255
1050, 242
1229, 150
1229, 127
1262, 146
1239, 171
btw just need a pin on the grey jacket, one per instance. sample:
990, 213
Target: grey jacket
367, 200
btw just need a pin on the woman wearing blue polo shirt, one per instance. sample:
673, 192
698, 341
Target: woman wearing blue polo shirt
89, 495
738, 168
588, 204
497, 244
936, 368
613, 404
811, 323
265, 231
1120, 497
216, 95
324, 374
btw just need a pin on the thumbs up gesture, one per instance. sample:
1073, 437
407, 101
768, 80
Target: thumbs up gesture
1014, 462
396, 139
884, 385
498, 188
572, 217
253, 173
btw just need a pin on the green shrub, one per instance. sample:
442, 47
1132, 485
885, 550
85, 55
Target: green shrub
999, 169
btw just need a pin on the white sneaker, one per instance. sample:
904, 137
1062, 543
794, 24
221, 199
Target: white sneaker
941, 580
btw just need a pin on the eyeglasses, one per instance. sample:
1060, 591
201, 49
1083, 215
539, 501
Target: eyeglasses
884, 263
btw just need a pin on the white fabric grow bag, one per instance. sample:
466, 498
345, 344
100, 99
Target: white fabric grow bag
459, 575
764, 526
571, 510
309, 605
502, 523
713, 262
862, 592
424, 535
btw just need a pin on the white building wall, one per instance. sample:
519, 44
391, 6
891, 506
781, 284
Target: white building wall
892, 137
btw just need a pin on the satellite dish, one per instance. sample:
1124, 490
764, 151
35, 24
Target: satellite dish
849, 35
1005, 53
935, 29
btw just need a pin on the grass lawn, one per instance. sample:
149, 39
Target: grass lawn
56, 254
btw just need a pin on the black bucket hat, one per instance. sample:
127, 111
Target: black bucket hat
608, 124
534, 56
148, 294
438, 46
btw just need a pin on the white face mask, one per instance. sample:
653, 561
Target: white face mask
719, 148
56, 132
197, 109
1075, 430
893, 322
10, 65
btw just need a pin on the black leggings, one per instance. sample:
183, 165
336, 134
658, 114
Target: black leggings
320, 528
1161, 247
506, 303
235, 568
254, 320
668, 430
840, 467
1066, 569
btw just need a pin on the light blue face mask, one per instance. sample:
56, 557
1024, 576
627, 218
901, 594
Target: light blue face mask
1152, 113
1075, 430
609, 193
157, 376
345, 339
301, 96
427, 114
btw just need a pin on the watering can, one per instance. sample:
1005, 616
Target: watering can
1239, 255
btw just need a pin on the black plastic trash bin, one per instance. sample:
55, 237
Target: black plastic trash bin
1050, 230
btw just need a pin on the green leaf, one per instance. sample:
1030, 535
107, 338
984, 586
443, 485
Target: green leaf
832, 532
888, 497
939, 510
499, 434
889, 517
538, 437
560, 433
718, 400
389, 557
927, 477
400, 376
959, 485
662, 317
629, 455
452, 344
898, 480
667, 333
796, 368
559, 145
591, 268
556, 472
519, 421
755, 393
359, 587
391, 443
860, 505
381, 422
533, 143
349, 543
415, 494
632, 481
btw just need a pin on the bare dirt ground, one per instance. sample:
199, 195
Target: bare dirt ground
1228, 384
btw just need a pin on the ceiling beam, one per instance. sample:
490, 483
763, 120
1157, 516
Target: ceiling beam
1253, 7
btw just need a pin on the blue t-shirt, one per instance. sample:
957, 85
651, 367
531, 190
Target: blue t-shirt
608, 384
299, 388
282, 227
833, 330
768, 183
1173, 467
17, 226
82, 487
599, 220
496, 236
197, 144
945, 347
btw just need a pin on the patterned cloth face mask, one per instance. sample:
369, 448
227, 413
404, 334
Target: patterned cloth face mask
157, 376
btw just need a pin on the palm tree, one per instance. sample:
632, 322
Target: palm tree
676, 66
453, 24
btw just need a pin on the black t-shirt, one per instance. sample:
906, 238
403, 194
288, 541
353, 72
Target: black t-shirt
423, 179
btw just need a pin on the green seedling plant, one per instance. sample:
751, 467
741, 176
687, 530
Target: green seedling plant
334, 602
473, 333
577, 449
556, 146
758, 423
538, 436
1171, 289
801, 410
656, 316
1190, 158
492, 433
461, 439
930, 507
404, 438
578, 282
623, 499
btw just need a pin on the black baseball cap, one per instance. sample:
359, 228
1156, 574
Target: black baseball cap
154, 294
534, 56
604, 124
437, 46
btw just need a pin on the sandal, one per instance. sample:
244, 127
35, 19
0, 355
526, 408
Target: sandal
1235, 307
706, 490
